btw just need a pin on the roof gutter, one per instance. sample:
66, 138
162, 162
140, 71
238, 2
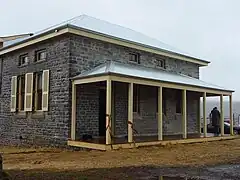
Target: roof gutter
122, 75
33, 37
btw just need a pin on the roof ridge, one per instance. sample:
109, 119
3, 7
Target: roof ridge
61, 23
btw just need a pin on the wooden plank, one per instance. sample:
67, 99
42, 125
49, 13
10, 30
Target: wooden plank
222, 115
104, 147
199, 115
113, 110
91, 79
160, 119
150, 82
172, 142
87, 145
231, 115
184, 113
130, 112
108, 111
73, 122
204, 115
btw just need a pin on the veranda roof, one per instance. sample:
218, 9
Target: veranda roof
137, 71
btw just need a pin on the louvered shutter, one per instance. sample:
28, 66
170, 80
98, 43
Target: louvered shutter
45, 90
13, 93
28, 92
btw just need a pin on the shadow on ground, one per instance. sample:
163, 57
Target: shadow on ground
132, 172
144, 172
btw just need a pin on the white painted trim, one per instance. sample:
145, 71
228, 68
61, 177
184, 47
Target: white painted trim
112, 40
33, 41
130, 112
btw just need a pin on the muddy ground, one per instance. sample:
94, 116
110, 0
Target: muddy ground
213, 160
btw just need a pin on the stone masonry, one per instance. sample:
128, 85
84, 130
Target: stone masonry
48, 128
88, 53
68, 56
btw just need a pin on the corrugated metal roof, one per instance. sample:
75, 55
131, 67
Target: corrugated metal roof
138, 71
113, 30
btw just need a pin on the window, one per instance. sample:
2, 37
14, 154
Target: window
23, 60
179, 101
37, 91
134, 57
160, 63
136, 98
40, 55
30, 92
20, 92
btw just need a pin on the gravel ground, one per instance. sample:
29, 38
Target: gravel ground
214, 160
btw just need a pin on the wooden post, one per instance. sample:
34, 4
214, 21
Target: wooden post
108, 111
222, 115
204, 115
130, 112
160, 130
73, 123
113, 109
1, 167
231, 115
184, 113
199, 115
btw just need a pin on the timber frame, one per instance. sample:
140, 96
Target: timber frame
109, 78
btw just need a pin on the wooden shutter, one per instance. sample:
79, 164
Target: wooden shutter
28, 92
45, 90
13, 93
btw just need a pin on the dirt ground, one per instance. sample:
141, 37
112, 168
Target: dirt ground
43, 163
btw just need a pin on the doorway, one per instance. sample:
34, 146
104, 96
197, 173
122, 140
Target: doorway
102, 112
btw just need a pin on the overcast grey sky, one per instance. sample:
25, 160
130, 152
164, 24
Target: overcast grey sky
208, 29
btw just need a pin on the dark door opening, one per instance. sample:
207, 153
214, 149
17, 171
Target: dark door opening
102, 112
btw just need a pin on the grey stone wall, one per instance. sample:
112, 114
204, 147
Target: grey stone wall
49, 128
145, 122
87, 53
68, 56
87, 109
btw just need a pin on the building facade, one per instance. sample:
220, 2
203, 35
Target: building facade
36, 90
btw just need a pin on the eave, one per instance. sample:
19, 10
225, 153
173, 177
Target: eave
102, 37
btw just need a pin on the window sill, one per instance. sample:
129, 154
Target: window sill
21, 114
133, 62
38, 115
23, 65
40, 61
178, 114
160, 67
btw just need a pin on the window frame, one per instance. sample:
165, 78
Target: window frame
36, 91
37, 55
21, 58
162, 63
136, 57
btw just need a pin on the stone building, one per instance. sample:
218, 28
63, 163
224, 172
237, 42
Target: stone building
90, 79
